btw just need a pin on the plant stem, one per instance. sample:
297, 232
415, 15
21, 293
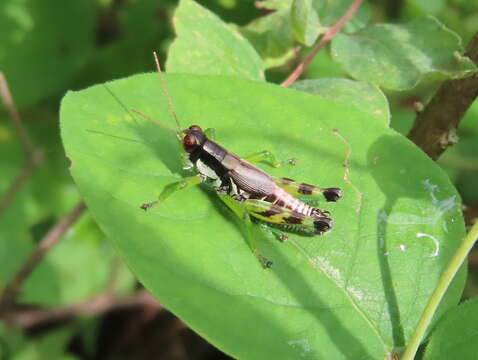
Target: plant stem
13, 286
329, 35
104, 302
33, 156
445, 280
435, 127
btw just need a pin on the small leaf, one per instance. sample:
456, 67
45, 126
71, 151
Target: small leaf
354, 293
332, 10
455, 336
427, 6
272, 37
305, 22
206, 45
398, 56
365, 97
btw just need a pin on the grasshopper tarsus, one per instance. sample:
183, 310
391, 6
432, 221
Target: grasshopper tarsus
266, 263
282, 237
146, 206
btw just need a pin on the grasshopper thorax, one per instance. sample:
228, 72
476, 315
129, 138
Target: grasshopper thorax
193, 137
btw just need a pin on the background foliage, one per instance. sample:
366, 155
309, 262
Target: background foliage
387, 59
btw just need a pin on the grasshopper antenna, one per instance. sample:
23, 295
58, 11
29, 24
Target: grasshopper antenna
157, 122
166, 91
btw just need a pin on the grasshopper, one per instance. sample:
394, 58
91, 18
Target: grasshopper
252, 194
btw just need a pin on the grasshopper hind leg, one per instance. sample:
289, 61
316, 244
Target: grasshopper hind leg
306, 191
277, 216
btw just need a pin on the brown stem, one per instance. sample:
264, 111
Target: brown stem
329, 35
17, 183
104, 302
33, 156
435, 127
14, 116
13, 286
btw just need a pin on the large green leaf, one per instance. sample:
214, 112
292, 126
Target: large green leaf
455, 336
398, 56
366, 97
206, 45
356, 292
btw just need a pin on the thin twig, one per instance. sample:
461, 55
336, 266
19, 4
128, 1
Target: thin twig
435, 127
30, 165
14, 116
33, 156
102, 303
13, 286
329, 35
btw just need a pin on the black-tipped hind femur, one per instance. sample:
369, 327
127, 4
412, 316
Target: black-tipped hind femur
332, 194
322, 225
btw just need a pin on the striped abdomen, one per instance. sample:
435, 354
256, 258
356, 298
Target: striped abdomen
282, 198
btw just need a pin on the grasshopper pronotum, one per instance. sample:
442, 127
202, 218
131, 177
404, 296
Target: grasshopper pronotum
247, 190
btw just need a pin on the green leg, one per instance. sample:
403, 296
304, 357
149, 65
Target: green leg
301, 190
210, 133
288, 219
269, 157
279, 235
172, 188
241, 212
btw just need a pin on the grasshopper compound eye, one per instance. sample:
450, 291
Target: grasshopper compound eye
190, 142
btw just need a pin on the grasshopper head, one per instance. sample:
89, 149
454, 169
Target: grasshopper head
192, 138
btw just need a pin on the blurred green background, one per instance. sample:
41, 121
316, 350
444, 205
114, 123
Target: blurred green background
49, 47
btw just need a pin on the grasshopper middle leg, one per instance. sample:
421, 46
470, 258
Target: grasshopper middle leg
269, 157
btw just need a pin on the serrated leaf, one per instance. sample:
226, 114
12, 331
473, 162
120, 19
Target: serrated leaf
206, 45
305, 22
398, 56
364, 96
455, 336
34, 46
354, 293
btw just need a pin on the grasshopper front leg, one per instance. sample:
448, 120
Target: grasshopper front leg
172, 188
